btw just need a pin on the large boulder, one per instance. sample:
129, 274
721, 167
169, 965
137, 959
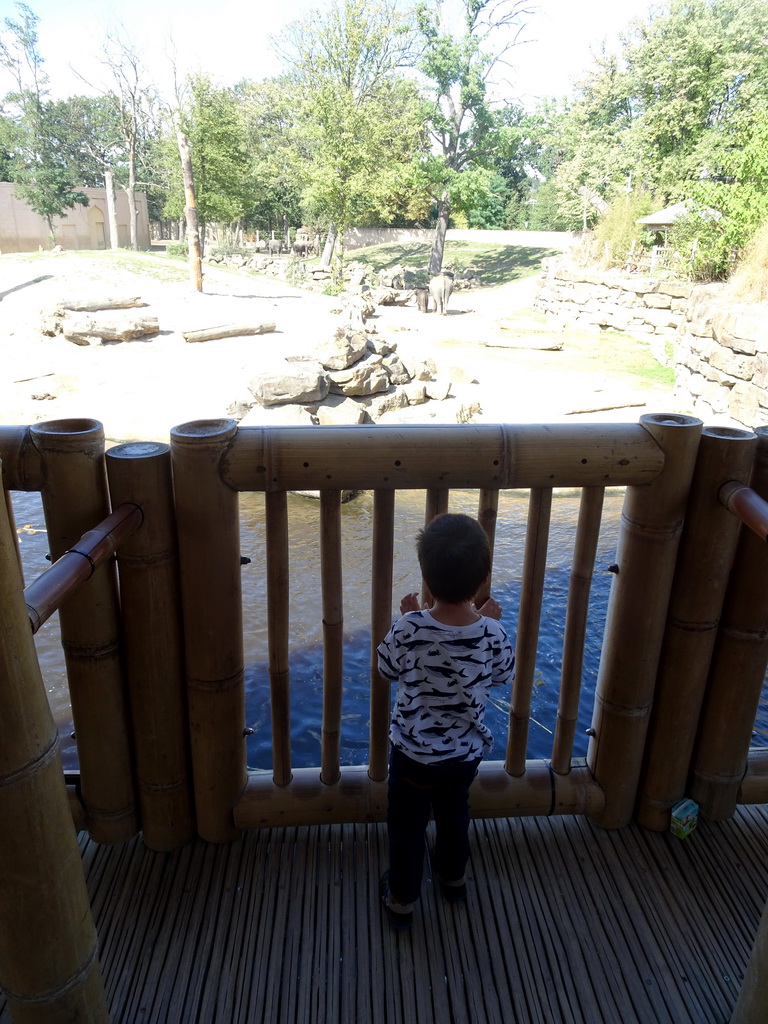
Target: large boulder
299, 381
366, 377
338, 409
344, 349
396, 369
277, 416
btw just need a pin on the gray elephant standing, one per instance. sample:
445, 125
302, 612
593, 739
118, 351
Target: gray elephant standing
440, 288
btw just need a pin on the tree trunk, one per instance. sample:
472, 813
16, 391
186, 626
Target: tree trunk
330, 243
190, 211
130, 191
438, 242
109, 185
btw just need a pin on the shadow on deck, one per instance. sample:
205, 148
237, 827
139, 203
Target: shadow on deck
565, 922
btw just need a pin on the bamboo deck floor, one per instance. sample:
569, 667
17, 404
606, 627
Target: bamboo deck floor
565, 923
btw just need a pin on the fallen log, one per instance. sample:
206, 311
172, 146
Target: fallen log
107, 302
228, 331
85, 330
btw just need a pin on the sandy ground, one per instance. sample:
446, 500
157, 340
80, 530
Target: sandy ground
141, 389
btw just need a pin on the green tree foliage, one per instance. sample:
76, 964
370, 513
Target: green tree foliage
224, 187
360, 120
467, 131
34, 161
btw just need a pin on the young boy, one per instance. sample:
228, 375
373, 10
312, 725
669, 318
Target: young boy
444, 660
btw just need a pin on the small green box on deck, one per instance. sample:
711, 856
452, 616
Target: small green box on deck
685, 818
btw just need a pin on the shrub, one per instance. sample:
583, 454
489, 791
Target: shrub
618, 231
750, 279
177, 249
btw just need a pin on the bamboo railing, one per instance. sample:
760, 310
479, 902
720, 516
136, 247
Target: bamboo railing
156, 670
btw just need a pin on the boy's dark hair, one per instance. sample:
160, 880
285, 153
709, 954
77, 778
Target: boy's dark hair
455, 557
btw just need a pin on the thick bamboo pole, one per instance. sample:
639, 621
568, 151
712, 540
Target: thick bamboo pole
381, 617
585, 549
754, 785
75, 499
278, 612
747, 506
443, 456
487, 514
436, 504
333, 633
49, 968
12, 521
652, 522
150, 593
46, 594
209, 552
356, 798
22, 464
534, 567
703, 563
752, 1004
737, 671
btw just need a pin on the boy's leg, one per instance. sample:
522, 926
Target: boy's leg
407, 817
450, 801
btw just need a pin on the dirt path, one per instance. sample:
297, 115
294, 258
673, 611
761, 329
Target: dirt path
139, 390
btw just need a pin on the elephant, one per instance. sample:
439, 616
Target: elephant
274, 245
422, 299
440, 288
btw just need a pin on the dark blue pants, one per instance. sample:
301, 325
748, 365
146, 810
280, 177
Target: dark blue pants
414, 790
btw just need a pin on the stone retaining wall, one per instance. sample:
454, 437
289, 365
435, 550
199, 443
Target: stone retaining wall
720, 346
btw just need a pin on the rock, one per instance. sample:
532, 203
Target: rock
421, 369
381, 347
415, 393
396, 369
395, 399
277, 416
297, 380
344, 349
461, 376
337, 409
438, 390
366, 377
393, 277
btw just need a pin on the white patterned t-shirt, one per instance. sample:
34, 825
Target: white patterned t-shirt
444, 674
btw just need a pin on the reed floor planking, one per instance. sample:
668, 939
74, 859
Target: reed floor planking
565, 922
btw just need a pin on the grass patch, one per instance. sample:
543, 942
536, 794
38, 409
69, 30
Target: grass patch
495, 264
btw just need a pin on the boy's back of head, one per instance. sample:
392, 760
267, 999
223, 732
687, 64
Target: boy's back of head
455, 557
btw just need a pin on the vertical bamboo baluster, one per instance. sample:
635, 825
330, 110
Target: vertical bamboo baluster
487, 515
150, 593
278, 597
738, 669
49, 967
381, 618
12, 521
436, 505
703, 563
333, 632
208, 530
534, 567
75, 499
652, 522
585, 548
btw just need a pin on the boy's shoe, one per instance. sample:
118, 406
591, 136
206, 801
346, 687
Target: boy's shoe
453, 892
397, 918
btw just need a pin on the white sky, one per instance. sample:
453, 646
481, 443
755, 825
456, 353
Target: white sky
230, 38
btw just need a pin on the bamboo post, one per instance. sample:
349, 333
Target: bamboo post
436, 505
23, 466
585, 549
737, 671
534, 567
49, 968
381, 618
703, 563
209, 552
150, 593
75, 499
487, 514
278, 611
652, 521
333, 633
12, 521
752, 1004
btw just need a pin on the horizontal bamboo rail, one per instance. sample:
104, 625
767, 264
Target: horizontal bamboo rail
356, 798
747, 506
45, 595
463, 456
